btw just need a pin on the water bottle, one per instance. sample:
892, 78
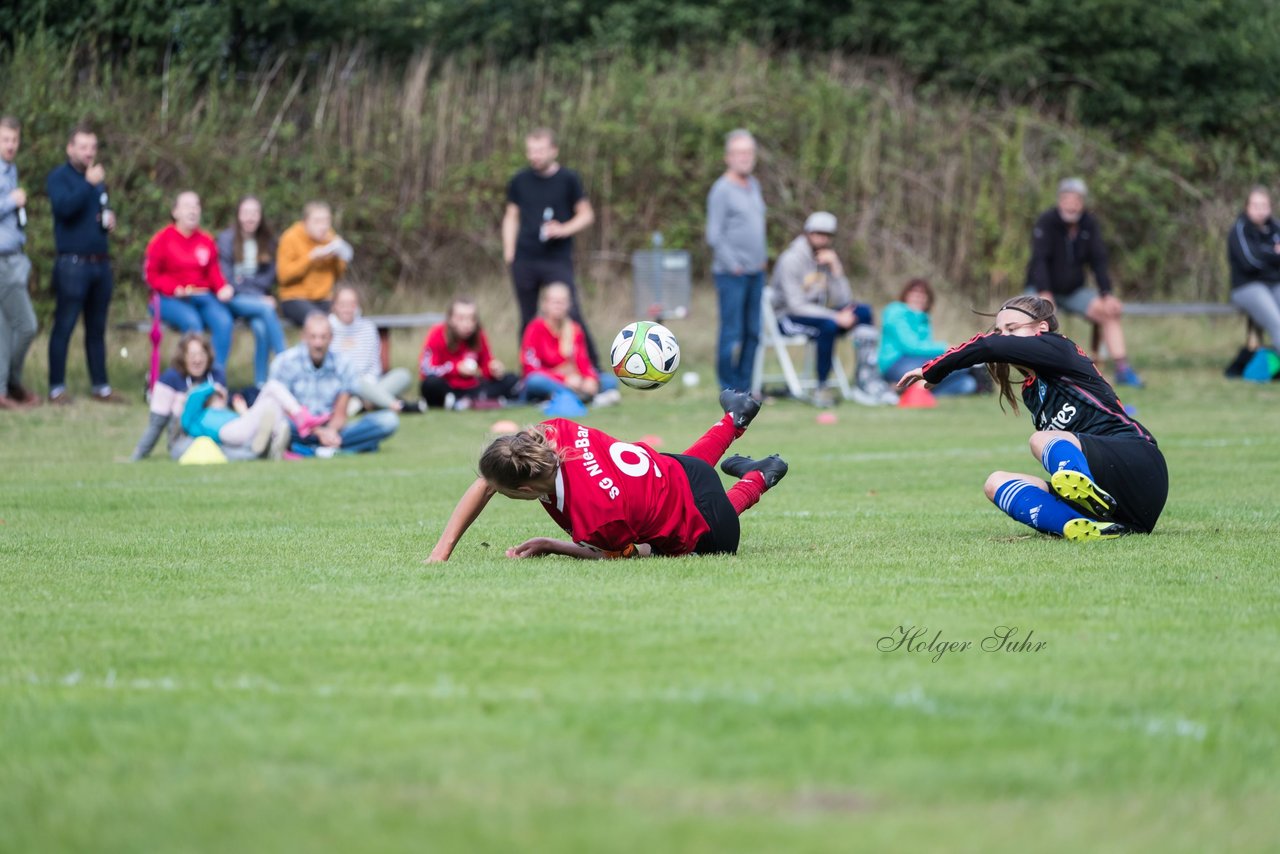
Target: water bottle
106, 217
547, 215
22, 218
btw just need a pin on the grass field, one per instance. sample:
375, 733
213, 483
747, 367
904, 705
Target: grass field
252, 657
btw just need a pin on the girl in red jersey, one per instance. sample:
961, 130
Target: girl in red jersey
621, 499
554, 353
456, 360
1107, 477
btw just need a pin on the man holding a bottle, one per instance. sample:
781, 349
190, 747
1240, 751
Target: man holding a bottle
546, 207
82, 282
17, 320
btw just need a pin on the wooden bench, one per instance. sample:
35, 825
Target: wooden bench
1253, 334
384, 322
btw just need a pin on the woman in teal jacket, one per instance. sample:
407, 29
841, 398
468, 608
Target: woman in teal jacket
907, 342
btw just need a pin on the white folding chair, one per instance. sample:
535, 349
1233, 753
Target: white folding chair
773, 339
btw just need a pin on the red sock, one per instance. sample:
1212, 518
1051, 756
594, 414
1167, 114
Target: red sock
744, 494
711, 447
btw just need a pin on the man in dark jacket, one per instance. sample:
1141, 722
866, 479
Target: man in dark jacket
82, 281
1253, 251
1066, 239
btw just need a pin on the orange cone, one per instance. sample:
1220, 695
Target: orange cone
917, 397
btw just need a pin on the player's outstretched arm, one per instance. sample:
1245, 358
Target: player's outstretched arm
539, 546
473, 501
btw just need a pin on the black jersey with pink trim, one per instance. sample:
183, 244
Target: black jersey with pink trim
1063, 390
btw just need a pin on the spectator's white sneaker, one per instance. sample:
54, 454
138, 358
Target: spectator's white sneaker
324, 452
862, 397
609, 397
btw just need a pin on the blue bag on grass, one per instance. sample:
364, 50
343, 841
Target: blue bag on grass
564, 404
1263, 367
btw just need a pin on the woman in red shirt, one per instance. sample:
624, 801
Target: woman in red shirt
182, 267
554, 355
456, 366
621, 499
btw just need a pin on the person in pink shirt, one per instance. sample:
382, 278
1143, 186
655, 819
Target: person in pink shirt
182, 267
456, 366
554, 353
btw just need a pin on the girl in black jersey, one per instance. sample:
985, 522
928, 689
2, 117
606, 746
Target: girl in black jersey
1107, 478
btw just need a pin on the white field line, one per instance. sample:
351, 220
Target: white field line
445, 688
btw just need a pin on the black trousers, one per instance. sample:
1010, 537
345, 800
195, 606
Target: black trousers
296, 310
529, 276
435, 389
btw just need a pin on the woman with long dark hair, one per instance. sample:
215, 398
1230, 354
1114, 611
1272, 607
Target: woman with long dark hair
1107, 477
247, 255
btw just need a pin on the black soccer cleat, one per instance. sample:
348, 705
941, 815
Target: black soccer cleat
740, 405
772, 468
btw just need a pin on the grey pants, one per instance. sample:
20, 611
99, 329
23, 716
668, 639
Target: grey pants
17, 319
1261, 301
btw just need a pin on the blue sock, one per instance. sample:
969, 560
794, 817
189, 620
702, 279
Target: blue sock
1031, 505
1059, 454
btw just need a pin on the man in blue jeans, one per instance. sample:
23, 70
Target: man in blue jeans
82, 279
323, 382
736, 235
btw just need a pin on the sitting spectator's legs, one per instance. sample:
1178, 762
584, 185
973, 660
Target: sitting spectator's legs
217, 319
179, 314
823, 331
434, 390
382, 391
542, 387
242, 431
268, 336
368, 432
1262, 303
296, 310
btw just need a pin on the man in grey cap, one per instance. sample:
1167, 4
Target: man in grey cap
811, 296
1065, 240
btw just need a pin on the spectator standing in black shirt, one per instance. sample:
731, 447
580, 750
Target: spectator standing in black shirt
82, 281
546, 207
1065, 240
1106, 475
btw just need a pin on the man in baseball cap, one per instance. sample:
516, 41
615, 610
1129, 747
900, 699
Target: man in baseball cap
811, 296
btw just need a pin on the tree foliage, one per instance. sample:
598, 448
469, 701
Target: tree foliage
1196, 66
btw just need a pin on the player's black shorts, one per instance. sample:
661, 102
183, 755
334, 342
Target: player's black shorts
714, 505
1134, 472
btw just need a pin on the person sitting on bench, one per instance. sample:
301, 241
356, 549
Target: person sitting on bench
1066, 238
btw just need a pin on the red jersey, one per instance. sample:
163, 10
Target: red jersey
438, 360
540, 351
174, 261
611, 494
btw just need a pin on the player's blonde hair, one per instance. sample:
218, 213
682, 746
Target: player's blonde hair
1037, 309
519, 459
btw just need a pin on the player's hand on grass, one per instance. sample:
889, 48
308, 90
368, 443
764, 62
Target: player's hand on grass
536, 547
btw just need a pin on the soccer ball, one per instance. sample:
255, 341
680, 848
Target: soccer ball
645, 354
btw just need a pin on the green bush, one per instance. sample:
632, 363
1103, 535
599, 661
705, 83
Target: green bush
1192, 65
